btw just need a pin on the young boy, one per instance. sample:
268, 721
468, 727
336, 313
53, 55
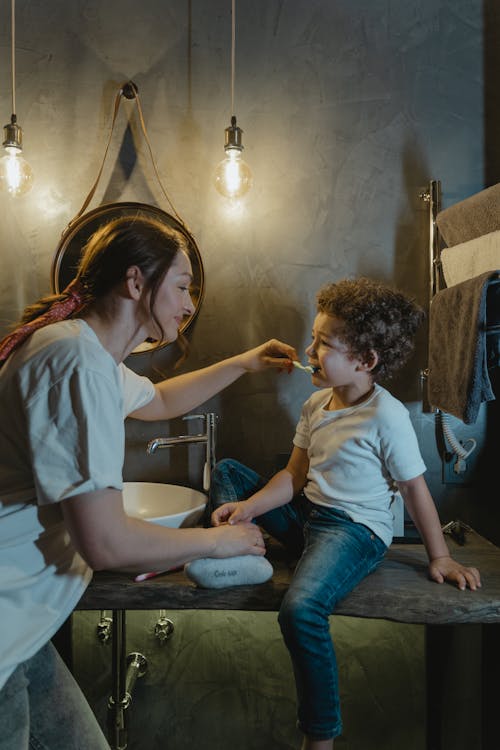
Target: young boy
331, 504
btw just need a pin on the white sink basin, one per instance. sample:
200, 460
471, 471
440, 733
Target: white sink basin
165, 504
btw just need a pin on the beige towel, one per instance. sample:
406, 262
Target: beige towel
473, 217
462, 262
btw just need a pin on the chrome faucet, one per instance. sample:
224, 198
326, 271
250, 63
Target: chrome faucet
207, 437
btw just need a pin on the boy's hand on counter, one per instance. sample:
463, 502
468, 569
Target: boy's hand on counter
447, 569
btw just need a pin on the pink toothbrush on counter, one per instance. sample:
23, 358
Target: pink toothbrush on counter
153, 574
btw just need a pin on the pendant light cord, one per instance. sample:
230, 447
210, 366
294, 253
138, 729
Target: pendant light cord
13, 53
233, 45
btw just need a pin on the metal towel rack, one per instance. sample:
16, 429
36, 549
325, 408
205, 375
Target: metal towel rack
432, 196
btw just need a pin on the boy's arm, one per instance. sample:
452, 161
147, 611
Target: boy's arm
280, 489
423, 512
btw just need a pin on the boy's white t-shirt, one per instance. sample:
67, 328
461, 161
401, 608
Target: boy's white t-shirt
356, 455
63, 401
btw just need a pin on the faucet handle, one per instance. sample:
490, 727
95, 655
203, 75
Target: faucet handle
187, 417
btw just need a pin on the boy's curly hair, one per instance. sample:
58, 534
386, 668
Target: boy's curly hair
375, 317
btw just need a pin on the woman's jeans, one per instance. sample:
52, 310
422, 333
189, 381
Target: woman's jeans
42, 708
336, 554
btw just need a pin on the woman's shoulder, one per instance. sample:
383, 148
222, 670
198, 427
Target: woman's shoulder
68, 339
55, 352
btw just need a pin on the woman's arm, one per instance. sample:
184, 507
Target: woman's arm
177, 396
107, 538
423, 512
280, 489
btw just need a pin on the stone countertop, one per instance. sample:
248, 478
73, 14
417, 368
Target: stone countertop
398, 590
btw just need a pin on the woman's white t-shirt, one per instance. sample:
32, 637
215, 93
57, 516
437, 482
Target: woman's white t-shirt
63, 401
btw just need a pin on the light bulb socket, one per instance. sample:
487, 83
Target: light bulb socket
233, 136
129, 90
13, 135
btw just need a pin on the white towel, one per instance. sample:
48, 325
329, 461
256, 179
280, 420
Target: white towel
470, 259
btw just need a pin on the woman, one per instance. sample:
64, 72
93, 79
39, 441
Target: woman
64, 394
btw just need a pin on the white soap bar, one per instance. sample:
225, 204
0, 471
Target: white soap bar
215, 573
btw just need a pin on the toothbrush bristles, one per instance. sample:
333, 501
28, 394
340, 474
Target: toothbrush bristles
307, 368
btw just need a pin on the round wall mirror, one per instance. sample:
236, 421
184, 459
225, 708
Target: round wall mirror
75, 237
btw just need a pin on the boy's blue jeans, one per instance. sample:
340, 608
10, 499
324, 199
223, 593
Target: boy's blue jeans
335, 555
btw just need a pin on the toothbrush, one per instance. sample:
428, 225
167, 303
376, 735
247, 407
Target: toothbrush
307, 368
153, 574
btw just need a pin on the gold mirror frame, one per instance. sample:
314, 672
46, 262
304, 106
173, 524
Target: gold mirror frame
75, 237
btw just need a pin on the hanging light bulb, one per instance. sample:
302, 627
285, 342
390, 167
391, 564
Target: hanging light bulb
16, 175
233, 176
